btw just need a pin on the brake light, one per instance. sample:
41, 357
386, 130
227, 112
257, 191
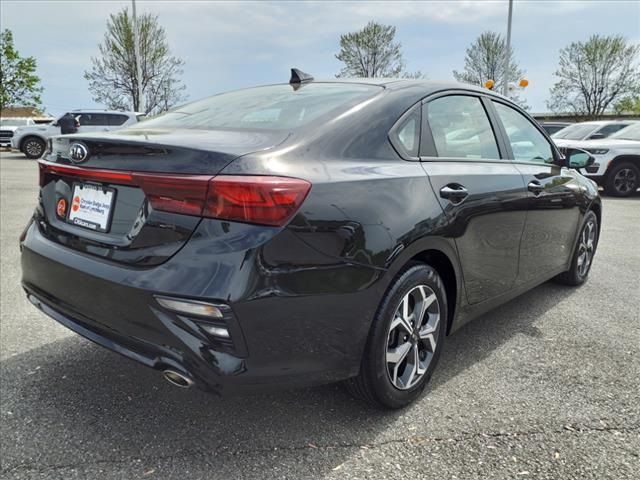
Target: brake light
255, 199
266, 200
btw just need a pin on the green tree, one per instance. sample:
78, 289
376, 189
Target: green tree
628, 104
372, 52
19, 84
485, 60
594, 75
113, 77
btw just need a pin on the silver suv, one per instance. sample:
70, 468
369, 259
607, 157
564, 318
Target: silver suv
32, 140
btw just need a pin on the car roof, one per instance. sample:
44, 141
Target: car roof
97, 110
399, 83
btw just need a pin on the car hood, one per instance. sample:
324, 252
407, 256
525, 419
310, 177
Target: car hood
11, 128
32, 128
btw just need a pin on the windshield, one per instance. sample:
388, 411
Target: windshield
632, 132
13, 122
578, 131
272, 107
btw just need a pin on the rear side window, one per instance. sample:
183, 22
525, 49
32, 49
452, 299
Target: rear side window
406, 135
527, 143
274, 107
116, 120
460, 128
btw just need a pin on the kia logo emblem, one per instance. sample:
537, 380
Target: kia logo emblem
78, 153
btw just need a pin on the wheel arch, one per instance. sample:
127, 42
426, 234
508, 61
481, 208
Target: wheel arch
625, 158
444, 266
441, 254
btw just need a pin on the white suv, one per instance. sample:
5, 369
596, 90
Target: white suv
9, 125
596, 130
32, 140
617, 165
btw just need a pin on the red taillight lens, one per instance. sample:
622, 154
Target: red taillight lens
255, 199
265, 200
185, 194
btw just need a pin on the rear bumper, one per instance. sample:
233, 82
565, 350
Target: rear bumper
291, 327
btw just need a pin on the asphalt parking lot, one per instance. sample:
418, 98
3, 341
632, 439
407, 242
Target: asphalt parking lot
546, 386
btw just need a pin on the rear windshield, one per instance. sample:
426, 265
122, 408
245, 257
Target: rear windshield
273, 107
575, 132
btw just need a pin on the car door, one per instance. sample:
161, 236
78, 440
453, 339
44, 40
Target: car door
553, 210
480, 191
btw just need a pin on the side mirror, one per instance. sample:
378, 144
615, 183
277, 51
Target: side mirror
54, 124
596, 136
577, 158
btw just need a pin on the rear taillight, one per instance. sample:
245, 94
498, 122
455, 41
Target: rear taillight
266, 200
255, 199
185, 194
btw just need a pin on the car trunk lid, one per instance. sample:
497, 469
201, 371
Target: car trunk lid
134, 197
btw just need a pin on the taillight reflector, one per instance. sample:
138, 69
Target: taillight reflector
266, 200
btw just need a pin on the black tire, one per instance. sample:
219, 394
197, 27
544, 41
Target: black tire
375, 384
577, 274
623, 180
33, 147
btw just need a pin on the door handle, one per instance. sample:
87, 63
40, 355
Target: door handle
454, 192
535, 187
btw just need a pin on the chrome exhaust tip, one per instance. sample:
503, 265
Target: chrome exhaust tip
177, 379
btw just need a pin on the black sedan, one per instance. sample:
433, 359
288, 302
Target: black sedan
305, 233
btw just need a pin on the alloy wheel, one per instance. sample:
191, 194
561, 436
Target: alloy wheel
412, 337
586, 247
625, 181
33, 148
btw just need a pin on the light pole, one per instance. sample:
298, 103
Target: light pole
136, 50
505, 87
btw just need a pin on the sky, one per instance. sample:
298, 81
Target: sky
228, 45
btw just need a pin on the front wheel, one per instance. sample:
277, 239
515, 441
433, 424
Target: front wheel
405, 340
584, 252
623, 180
33, 147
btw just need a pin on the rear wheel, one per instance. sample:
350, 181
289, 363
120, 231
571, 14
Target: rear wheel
405, 340
584, 252
623, 180
33, 147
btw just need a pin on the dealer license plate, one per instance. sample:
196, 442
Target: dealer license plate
91, 206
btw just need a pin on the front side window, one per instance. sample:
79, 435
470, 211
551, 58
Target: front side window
610, 129
92, 119
527, 143
631, 132
460, 128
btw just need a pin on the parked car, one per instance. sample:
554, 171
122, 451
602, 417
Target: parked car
298, 236
588, 131
617, 161
8, 126
553, 127
32, 140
